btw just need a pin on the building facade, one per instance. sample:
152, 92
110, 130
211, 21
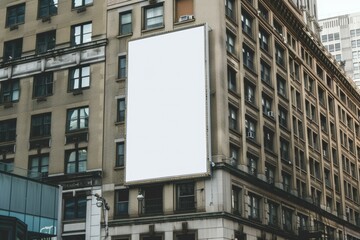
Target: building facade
52, 100
284, 120
341, 37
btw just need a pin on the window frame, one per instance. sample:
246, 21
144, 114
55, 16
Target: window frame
8, 130
43, 82
80, 79
121, 203
47, 6
83, 3
254, 206
120, 158
122, 67
185, 201
81, 34
19, 17
43, 164
44, 39
146, 25
121, 110
77, 204
10, 90
15, 51
123, 27
248, 57
78, 119
247, 23
44, 126
77, 161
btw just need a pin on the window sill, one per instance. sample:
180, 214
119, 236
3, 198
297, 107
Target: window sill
124, 35
117, 168
152, 29
121, 79
184, 21
119, 123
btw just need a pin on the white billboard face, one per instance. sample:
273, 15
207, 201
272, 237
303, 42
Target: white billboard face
166, 115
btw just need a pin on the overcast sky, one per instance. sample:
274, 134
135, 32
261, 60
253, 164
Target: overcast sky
330, 8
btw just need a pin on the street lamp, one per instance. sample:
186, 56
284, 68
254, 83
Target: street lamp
101, 203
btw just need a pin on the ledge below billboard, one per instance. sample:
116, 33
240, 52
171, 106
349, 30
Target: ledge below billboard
167, 113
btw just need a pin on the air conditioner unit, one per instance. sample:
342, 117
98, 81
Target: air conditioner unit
186, 18
270, 113
249, 98
250, 134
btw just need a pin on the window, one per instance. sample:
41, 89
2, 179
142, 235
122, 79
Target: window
284, 149
266, 106
303, 222
263, 12
249, 92
125, 23
8, 130
283, 117
236, 200
43, 84
120, 154
76, 160
7, 165
250, 127
264, 40
121, 110
281, 86
81, 3
185, 193
9, 91
279, 55
230, 42
254, 205
233, 118
287, 219
229, 8
273, 214
74, 207
246, 23
270, 174
153, 200
278, 27
47, 8
265, 72
234, 154
268, 139
154, 17
40, 125
231, 75
39, 165
15, 15
185, 236
77, 118
45, 41
252, 164
79, 78
286, 181
248, 57
121, 202
12, 49
184, 10
81, 33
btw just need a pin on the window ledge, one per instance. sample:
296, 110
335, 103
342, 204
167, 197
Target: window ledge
120, 79
119, 123
152, 29
117, 168
124, 35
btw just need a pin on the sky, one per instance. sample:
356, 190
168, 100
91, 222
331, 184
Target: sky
330, 8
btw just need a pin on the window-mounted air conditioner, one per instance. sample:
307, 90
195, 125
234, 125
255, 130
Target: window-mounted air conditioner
250, 134
270, 113
186, 18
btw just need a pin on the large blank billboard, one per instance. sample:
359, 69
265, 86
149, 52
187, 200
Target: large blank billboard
167, 123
